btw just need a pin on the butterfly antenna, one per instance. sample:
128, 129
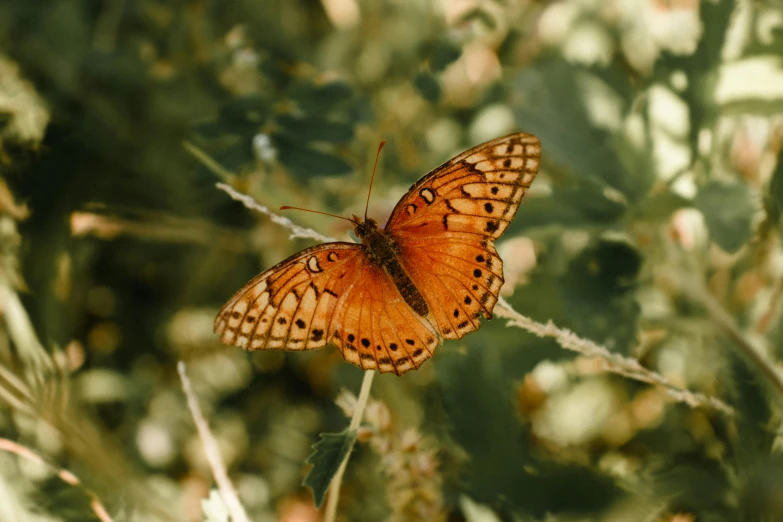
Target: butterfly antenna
367, 206
286, 207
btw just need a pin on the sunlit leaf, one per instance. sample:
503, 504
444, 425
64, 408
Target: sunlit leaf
550, 89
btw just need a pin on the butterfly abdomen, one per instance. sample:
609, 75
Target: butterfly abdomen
384, 251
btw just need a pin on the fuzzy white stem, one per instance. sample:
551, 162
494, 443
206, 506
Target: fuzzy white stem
212, 451
613, 362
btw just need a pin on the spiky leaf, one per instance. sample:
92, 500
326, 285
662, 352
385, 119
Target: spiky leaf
329, 453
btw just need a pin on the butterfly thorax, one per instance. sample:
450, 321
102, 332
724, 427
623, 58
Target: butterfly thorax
383, 251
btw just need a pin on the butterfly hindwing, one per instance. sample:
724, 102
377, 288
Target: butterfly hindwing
375, 330
459, 280
447, 223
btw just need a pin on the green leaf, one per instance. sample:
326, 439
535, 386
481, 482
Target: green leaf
305, 162
476, 387
598, 292
313, 98
444, 52
326, 459
316, 129
428, 86
244, 115
549, 89
728, 211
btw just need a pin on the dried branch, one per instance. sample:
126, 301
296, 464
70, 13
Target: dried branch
212, 451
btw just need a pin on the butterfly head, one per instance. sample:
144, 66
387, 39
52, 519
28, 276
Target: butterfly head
364, 228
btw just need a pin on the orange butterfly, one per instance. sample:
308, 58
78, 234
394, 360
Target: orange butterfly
388, 302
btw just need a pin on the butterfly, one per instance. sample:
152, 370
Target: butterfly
389, 301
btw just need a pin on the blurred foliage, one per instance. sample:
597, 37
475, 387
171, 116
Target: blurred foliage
662, 133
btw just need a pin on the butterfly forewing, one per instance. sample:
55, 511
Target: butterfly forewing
289, 306
447, 223
329, 292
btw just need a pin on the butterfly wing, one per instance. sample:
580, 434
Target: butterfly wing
289, 305
329, 292
446, 225
376, 330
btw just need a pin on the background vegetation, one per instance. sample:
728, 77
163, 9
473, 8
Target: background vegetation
653, 230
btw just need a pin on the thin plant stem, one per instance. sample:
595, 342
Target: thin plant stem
613, 362
226, 488
296, 230
63, 474
334, 488
749, 348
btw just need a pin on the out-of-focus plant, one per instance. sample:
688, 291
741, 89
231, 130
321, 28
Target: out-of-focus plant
651, 240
